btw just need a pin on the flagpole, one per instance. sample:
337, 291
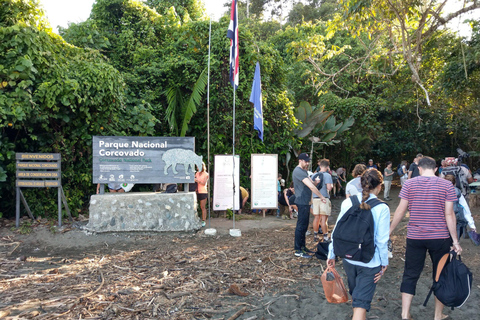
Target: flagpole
232, 34
208, 119
233, 158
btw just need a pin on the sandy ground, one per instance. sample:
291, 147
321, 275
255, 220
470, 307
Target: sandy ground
267, 242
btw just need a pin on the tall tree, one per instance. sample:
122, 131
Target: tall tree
186, 9
404, 26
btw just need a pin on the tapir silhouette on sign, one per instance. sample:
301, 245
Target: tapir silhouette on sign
188, 158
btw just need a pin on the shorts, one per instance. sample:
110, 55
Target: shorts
202, 196
361, 284
322, 208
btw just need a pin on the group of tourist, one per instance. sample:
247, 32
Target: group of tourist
432, 225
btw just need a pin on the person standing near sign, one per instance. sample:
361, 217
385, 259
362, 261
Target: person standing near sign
201, 178
112, 187
304, 186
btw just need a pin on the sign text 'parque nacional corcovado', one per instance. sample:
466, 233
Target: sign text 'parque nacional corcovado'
144, 160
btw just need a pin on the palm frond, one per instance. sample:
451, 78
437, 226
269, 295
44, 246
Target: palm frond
174, 102
193, 101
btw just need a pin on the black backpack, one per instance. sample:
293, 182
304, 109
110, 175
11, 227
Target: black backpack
322, 250
318, 175
353, 237
453, 281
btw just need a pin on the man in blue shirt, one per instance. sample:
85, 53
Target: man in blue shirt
322, 209
371, 164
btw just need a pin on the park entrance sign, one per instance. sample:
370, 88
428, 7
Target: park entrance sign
144, 160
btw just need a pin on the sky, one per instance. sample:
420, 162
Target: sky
61, 12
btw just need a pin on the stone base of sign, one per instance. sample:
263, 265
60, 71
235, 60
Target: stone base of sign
143, 211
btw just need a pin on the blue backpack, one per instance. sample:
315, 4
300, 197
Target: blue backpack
399, 170
459, 213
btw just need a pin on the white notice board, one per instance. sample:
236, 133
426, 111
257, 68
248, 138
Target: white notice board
223, 182
264, 181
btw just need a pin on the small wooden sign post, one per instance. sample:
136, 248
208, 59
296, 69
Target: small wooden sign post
39, 170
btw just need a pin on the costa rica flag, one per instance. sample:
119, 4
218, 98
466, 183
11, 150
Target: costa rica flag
232, 34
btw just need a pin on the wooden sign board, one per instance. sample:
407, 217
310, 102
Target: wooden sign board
144, 160
38, 165
38, 174
34, 166
37, 156
38, 183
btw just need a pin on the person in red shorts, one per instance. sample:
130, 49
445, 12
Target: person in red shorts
431, 228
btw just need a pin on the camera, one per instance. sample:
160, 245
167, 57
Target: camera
462, 155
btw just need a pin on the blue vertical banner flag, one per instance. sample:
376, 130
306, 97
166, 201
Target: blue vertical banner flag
232, 34
256, 99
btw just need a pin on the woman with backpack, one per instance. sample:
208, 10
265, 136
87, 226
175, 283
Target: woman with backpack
363, 276
461, 209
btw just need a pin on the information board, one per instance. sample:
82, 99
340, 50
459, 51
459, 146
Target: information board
223, 182
33, 166
264, 181
39, 170
144, 159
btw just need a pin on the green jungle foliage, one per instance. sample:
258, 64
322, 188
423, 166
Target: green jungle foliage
139, 69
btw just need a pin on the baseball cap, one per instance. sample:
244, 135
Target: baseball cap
304, 157
370, 160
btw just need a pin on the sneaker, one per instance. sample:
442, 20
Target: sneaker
308, 233
302, 254
315, 236
326, 238
306, 250
203, 224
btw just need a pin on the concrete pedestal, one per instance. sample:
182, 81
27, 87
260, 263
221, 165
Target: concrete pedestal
143, 211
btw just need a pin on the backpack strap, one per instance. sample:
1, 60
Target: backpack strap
441, 265
428, 296
374, 202
354, 200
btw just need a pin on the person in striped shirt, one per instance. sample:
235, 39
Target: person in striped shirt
432, 227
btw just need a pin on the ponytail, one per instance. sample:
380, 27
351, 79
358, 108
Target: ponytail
370, 179
365, 196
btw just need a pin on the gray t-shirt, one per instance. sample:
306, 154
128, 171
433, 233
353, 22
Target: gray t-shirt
303, 194
327, 178
390, 177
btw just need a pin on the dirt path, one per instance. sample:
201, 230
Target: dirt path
73, 274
